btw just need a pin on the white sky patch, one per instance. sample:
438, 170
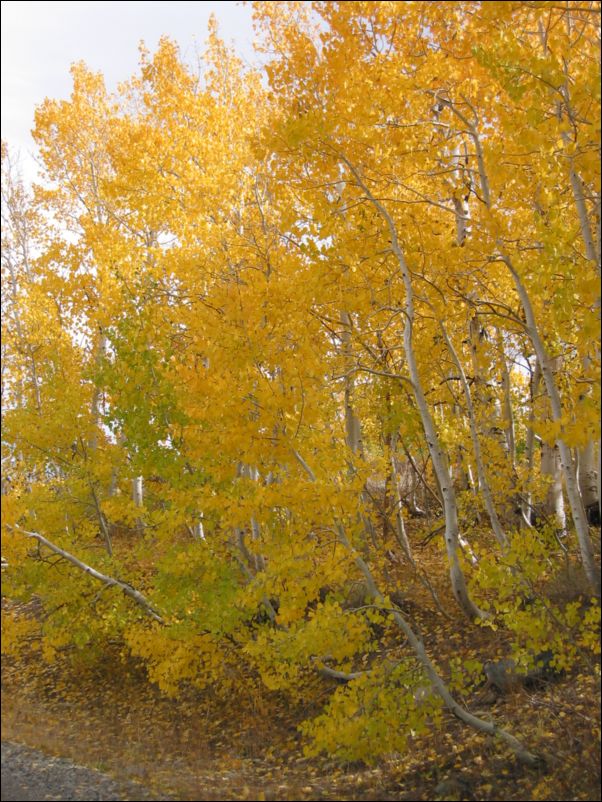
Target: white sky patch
40, 41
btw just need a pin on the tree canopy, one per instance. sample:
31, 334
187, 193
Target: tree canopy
268, 333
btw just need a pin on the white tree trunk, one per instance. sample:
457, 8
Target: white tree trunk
458, 581
138, 499
527, 507
109, 581
550, 467
255, 528
198, 529
554, 503
25, 346
568, 468
95, 405
589, 476
402, 535
508, 413
138, 491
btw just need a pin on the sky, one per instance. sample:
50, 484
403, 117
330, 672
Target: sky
40, 40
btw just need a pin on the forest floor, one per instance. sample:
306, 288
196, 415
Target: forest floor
111, 719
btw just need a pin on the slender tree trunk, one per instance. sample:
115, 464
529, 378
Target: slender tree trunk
458, 581
579, 196
110, 581
197, 529
498, 531
508, 413
459, 471
253, 474
138, 491
353, 432
353, 427
513, 506
25, 346
554, 503
589, 469
105, 528
402, 535
428, 666
588, 477
568, 468
486, 401
550, 467
255, 560
95, 405
102, 521
138, 499
527, 507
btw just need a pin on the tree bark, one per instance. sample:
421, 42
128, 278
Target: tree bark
138, 499
554, 503
588, 476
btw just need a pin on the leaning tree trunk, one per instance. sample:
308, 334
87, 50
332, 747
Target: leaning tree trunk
567, 465
437, 683
527, 506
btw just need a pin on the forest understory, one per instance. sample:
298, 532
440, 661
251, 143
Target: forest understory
247, 746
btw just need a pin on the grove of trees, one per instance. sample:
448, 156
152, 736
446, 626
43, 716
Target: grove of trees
267, 332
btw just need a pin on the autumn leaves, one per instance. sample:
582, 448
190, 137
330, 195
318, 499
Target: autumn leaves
243, 293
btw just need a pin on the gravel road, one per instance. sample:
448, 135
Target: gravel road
32, 776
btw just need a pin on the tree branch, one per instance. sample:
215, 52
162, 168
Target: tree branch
110, 581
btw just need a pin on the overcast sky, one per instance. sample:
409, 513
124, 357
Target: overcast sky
40, 40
